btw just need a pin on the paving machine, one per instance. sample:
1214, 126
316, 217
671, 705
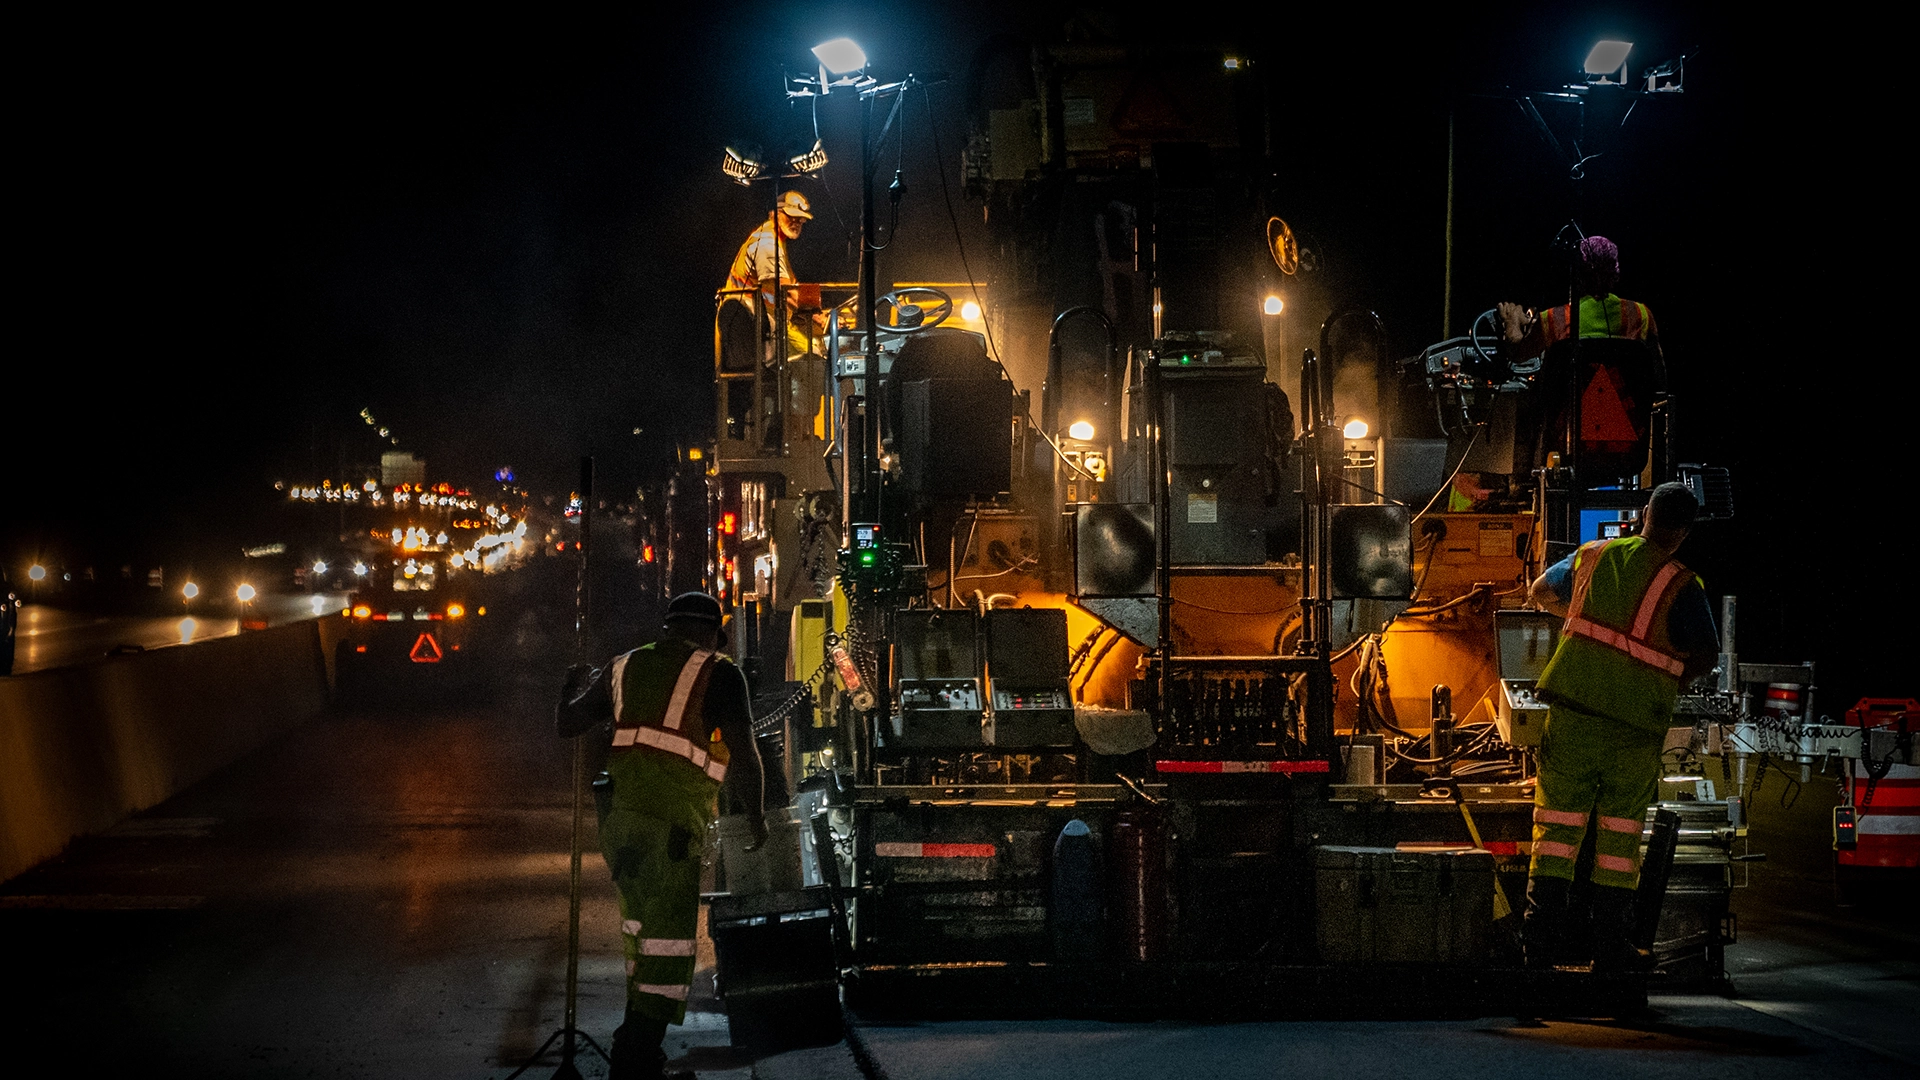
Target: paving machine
1181, 694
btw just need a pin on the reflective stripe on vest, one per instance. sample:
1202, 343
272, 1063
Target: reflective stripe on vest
1636, 644
667, 736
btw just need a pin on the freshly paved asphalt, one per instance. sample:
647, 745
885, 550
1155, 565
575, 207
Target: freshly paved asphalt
383, 893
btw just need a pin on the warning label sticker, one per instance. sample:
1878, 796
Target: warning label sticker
1203, 509
1496, 539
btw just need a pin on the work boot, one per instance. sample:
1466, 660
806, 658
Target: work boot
1615, 918
1543, 925
637, 1054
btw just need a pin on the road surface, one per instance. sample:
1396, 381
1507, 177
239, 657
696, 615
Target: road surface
383, 893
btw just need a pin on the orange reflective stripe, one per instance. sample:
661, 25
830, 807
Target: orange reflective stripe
677, 745
1620, 824
1616, 863
1649, 603
1606, 635
1544, 816
690, 673
1553, 850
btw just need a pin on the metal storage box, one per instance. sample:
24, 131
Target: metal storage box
775, 969
1386, 906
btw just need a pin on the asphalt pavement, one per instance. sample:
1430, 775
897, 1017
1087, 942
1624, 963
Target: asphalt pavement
383, 893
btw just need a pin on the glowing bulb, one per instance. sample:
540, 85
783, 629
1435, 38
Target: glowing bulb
320, 567
1274, 305
190, 590
1356, 429
1081, 430
970, 311
246, 594
37, 572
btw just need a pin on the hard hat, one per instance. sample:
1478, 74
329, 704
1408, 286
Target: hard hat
795, 205
698, 607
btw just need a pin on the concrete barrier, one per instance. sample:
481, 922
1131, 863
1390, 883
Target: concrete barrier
82, 747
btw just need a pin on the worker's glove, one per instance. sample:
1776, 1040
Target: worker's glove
580, 679
1516, 320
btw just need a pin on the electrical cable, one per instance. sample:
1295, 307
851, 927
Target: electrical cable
1447, 484
973, 283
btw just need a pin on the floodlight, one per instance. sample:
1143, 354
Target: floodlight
1081, 430
840, 56
809, 162
970, 312
742, 165
1355, 428
1607, 58
1274, 305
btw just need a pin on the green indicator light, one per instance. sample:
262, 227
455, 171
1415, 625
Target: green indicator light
1184, 359
866, 558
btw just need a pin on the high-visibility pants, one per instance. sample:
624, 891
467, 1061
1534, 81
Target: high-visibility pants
656, 868
1592, 768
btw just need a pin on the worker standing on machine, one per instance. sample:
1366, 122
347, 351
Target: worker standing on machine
1638, 628
681, 727
1595, 312
760, 281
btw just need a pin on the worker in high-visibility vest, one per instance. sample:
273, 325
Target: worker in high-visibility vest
1595, 313
1638, 628
681, 727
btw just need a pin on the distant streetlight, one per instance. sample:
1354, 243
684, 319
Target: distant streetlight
36, 572
246, 594
1274, 305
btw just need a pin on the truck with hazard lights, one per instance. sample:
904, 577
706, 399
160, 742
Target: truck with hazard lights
1122, 652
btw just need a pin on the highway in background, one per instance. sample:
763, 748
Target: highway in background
52, 637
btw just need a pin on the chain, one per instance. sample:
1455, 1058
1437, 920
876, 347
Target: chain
766, 724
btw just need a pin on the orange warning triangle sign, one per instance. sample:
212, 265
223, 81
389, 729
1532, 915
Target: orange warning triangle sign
1603, 410
425, 651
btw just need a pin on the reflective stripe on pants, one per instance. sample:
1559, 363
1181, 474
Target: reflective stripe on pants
1593, 772
659, 909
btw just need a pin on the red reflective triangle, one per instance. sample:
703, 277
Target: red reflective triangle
1603, 410
425, 651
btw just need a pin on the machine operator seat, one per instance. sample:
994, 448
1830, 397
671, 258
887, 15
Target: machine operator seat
1594, 406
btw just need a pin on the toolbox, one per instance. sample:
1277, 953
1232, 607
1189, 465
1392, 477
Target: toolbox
1387, 906
775, 969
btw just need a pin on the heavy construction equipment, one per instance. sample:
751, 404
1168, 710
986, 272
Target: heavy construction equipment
1203, 689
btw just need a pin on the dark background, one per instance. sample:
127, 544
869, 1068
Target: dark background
500, 235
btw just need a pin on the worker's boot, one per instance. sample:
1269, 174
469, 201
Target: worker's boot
637, 1054
1543, 925
1615, 919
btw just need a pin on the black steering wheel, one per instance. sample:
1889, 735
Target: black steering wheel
1485, 335
930, 317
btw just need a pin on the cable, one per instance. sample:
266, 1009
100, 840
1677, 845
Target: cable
1447, 485
926, 98
1226, 611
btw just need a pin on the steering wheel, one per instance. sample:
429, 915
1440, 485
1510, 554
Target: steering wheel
930, 317
1485, 335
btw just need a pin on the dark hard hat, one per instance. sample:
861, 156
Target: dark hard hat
700, 608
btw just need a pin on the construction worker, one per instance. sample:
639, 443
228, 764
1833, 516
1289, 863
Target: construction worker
1638, 628
1601, 314
760, 269
681, 727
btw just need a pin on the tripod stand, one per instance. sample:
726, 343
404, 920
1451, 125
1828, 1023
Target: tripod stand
567, 1031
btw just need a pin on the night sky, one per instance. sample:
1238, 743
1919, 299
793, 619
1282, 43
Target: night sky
501, 235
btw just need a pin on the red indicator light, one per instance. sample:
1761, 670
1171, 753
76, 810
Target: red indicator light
646, 553
728, 523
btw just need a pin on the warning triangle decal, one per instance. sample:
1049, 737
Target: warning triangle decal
425, 651
1603, 412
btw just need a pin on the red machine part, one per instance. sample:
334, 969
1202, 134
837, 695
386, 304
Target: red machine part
1886, 794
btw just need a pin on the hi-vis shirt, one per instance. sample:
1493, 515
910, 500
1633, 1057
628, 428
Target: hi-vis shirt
755, 263
1634, 617
662, 698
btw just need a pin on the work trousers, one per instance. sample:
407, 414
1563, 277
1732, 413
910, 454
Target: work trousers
656, 868
1599, 770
